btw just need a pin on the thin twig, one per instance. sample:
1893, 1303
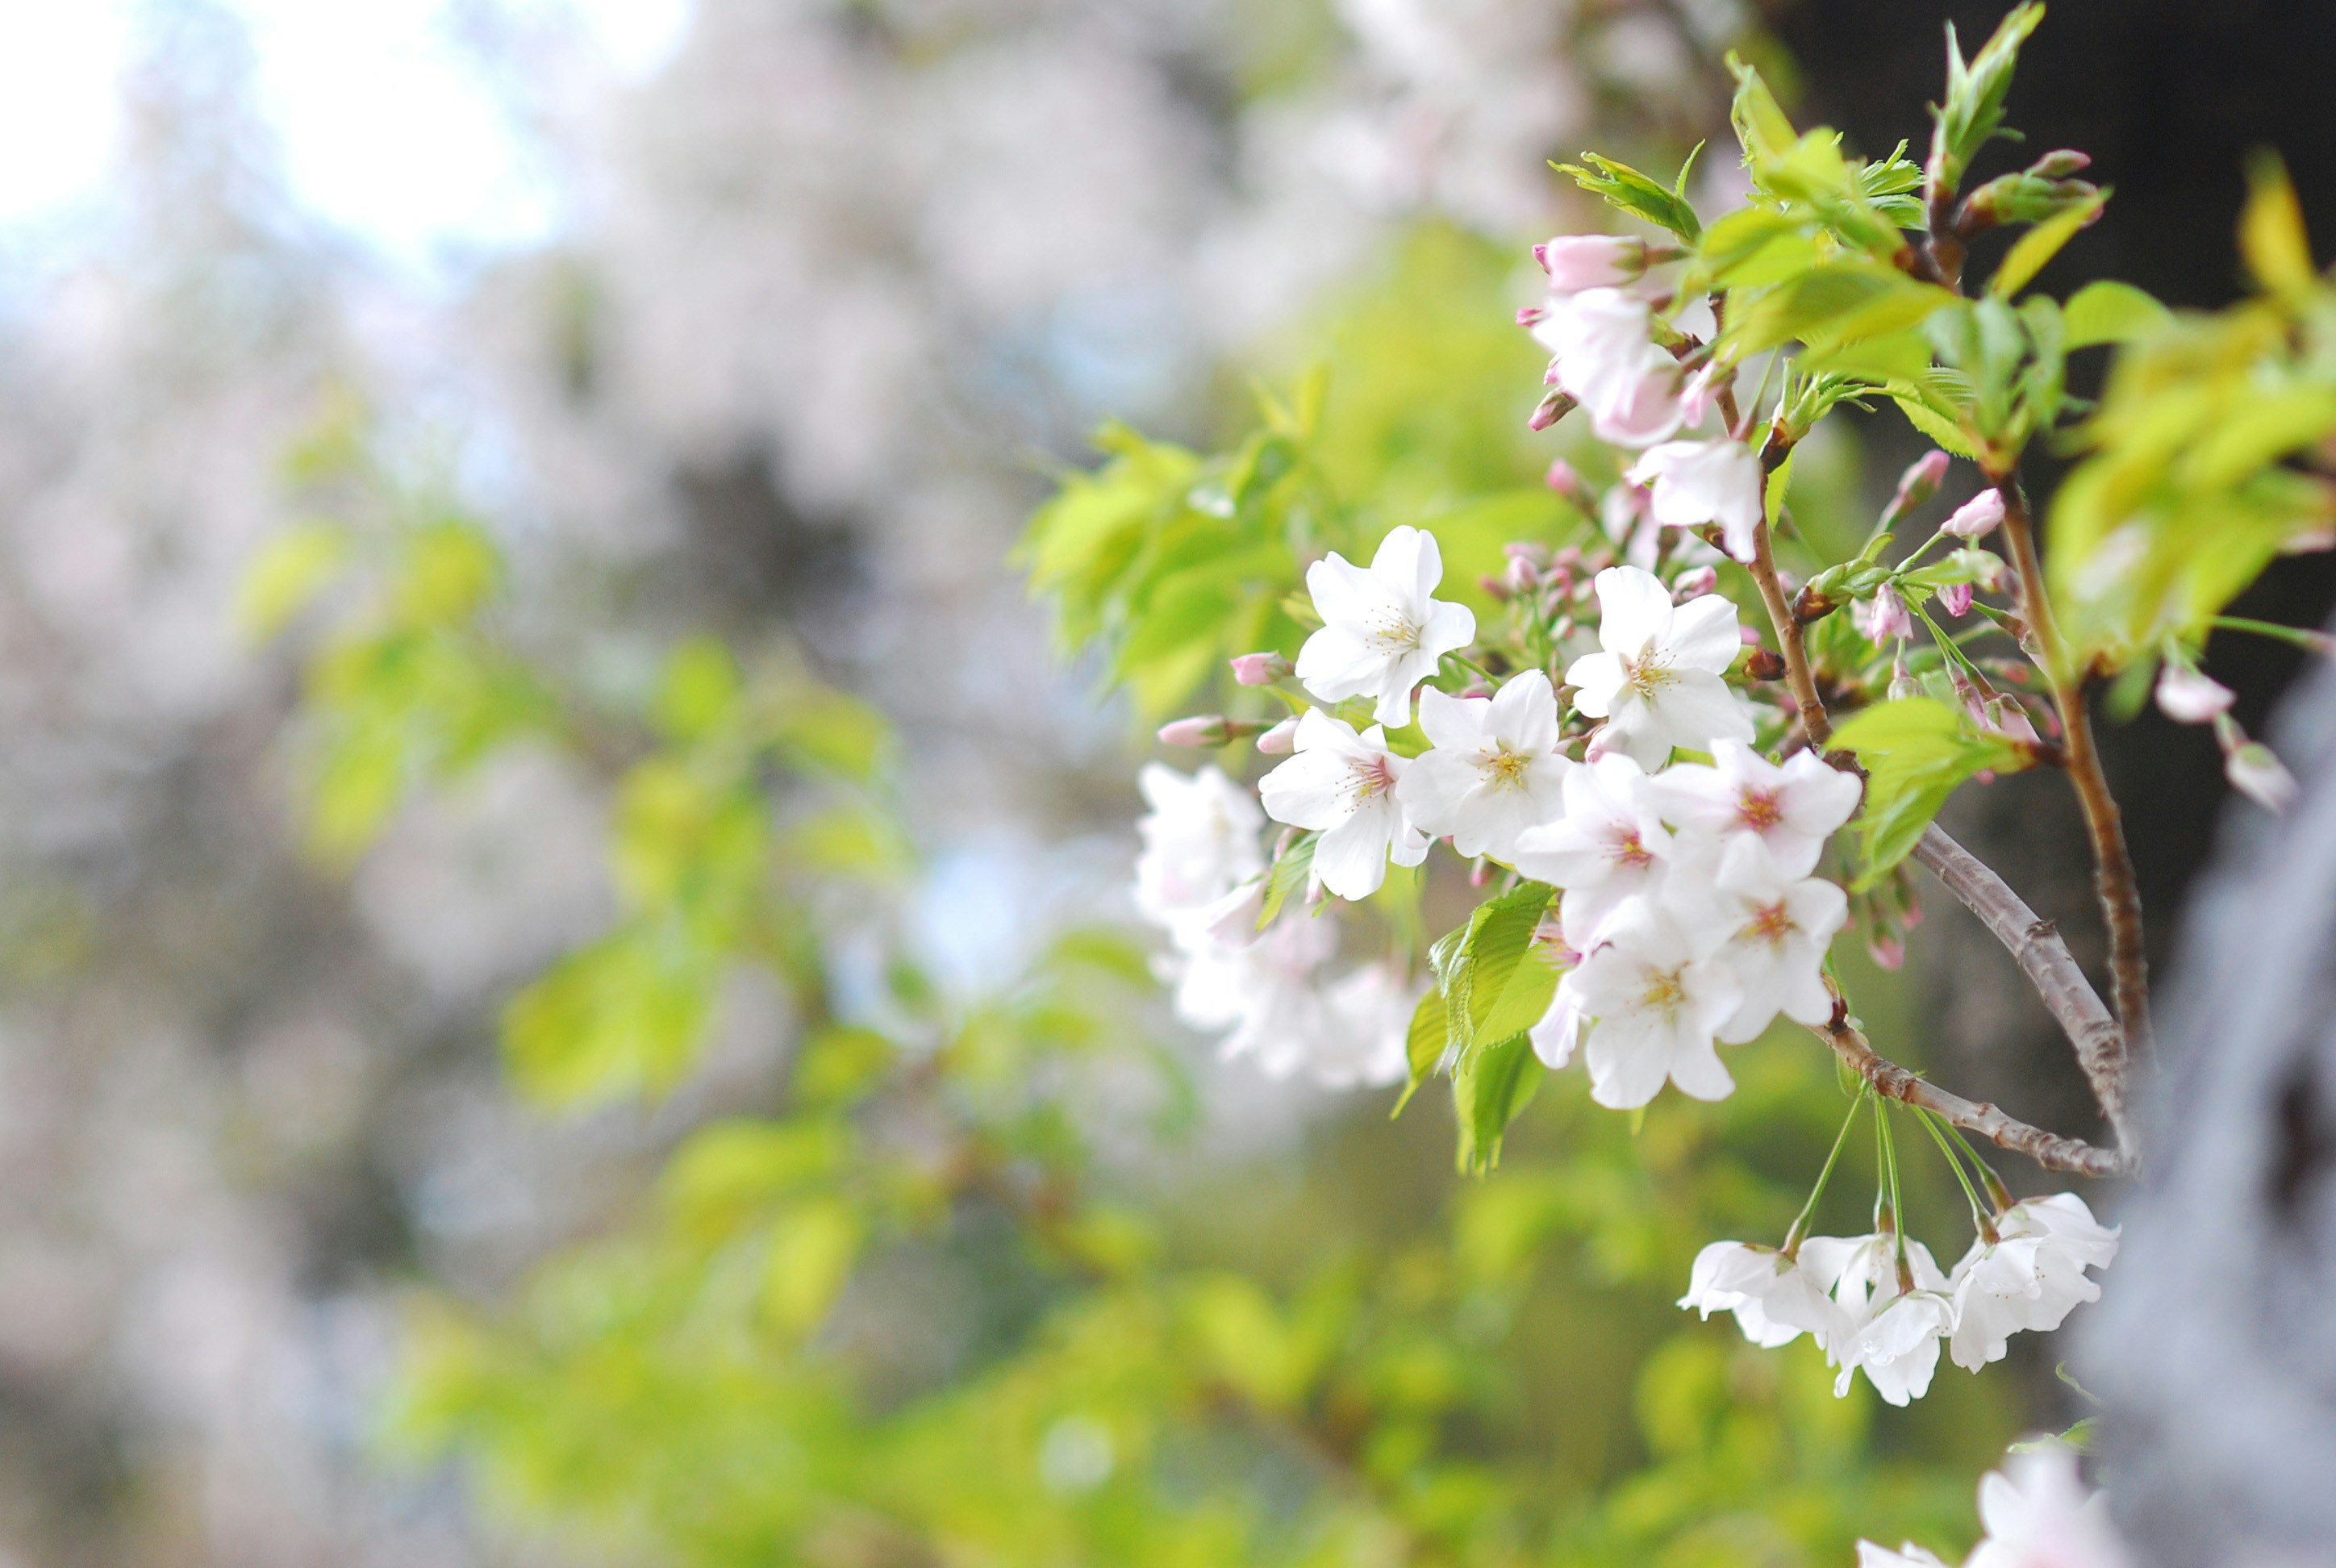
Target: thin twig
2113, 876
2050, 1150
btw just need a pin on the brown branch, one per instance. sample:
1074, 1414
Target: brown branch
1790, 643
2052, 1151
2113, 876
2036, 946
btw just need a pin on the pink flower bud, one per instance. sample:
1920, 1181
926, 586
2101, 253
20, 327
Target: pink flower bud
1887, 952
2008, 717
1578, 262
1202, 729
1522, 576
1561, 479
1883, 617
1919, 482
1955, 598
1554, 406
1260, 668
1280, 740
1695, 583
1976, 518
2259, 775
1749, 636
1601, 740
2190, 696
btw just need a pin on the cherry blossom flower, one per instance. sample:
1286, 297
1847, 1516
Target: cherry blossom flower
1495, 771
1626, 514
1779, 929
1700, 482
2030, 1279
1896, 1324
1955, 598
1883, 617
1265, 993
1608, 846
1657, 995
1560, 1028
2188, 695
1364, 1041
2038, 1514
1344, 784
1792, 809
1658, 682
1381, 634
1199, 839
1907, 1555
1606, 359
1774, 1300
1976, 518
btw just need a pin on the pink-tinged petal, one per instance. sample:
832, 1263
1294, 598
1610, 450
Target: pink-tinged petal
1634, 609
1454, 723
1703, 635
1642, 410
1595, 677
1351, 859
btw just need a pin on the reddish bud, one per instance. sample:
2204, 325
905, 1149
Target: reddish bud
1260, 668
1976, 518
1561, 479
1955, 598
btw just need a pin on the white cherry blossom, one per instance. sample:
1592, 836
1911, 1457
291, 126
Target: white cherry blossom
1700, 481
1382, 632
1495, 769
1907, 1555
1774, 1300
1895, 1330
1344, 784
1607, 360
1199, 841
1578, 262
1657, 995
1792, 809
1778, 927
1560, 1028
2038, 1514
2190, 696
1656, 681
2030, 1279
1367, 1030
1610, 845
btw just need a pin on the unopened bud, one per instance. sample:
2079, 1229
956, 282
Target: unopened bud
1519, 577
1694, 583
1763, 665
1578, 262
1887, 952
2060, 163
1482, 872
2259, 775
1883, 617
1976, 518
1903, 684
1281, 739
1208, 729
1554, 406
1561, 479
1493, 587
2191, 696
2007, 717
1260, 668
1918, 482
1955, 598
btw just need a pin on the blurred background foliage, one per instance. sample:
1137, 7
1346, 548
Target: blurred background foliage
566, 991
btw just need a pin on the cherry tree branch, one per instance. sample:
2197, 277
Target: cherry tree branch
2052, 1151
2036, 946
2113, 875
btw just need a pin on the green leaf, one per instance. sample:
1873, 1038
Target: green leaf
1424, 1044
1946, 433
2108, 311
1635, 193
1524, 997
1915, 752
1488, 1090
1973, 111
812, 1249
1499, 932
700, 686
287, 575
2272, 237
1292, 869
2029, 254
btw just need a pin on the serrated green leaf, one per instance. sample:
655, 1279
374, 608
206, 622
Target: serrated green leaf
2108, 311
1915, 752
1488, 1091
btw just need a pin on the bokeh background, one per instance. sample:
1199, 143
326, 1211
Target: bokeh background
769, 318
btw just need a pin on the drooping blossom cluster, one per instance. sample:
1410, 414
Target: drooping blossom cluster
1201, 878
1879, 1304
2037, 1512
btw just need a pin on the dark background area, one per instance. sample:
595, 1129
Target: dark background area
2169, 97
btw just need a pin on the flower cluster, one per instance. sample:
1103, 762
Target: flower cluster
1879, 1304
2037, 1514
1201, 877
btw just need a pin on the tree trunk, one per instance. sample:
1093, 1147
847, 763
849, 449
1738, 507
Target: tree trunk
2215, 1343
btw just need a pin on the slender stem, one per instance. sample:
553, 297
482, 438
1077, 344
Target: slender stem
1930, 1124
1790, 643
2308, 640
2113, 879
1793, 1237
2052, 1151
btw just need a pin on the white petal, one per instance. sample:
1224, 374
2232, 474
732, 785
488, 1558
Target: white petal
1704, 634
1634, 609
